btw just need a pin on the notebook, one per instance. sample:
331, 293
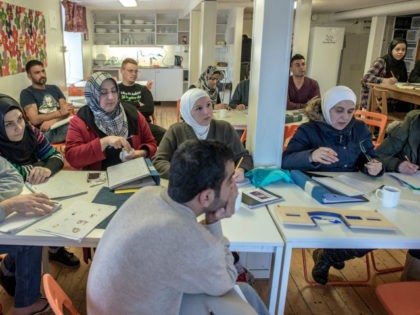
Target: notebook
77, 220
135, 173
54, 188
413, 181
258, 197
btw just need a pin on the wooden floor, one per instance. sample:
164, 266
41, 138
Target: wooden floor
301, 298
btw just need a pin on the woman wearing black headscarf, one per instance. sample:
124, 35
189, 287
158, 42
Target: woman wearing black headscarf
24, 146
388, 69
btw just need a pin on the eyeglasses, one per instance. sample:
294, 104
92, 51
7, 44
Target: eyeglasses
106, 92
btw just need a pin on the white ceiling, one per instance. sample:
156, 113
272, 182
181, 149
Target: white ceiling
318, 6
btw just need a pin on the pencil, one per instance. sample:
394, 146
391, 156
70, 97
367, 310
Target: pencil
407, 159
392, 73
239, 163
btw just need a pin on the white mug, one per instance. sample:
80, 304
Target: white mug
389, 195
222, 113
238, 201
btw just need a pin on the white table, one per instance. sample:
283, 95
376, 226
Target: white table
405, 217
247, 230
237, 118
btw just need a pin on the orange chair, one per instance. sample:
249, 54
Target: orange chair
289, 131
56, 297
243, 136
373, 120
400, 298
178, 110
150, 84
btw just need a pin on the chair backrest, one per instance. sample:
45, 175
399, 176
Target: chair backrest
374, 120
243, 137
178, 110
400, 298
56, 297
289, 131
379, 100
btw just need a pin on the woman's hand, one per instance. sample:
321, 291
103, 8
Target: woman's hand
374, 167
324, 155
38, 175
116, 142
241, 107
391, 80
407, 167
136, 154
239, 175
221, 106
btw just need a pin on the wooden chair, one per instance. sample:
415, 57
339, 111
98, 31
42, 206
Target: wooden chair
368, 257
57, 298
373, 120
400, 298
379, 100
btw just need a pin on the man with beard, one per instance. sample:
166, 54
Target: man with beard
301, 88
168, 263
44, 104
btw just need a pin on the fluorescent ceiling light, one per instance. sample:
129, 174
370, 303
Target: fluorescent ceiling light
128, 3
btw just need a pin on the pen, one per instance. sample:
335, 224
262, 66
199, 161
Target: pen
239, 163
407, 159
392, 73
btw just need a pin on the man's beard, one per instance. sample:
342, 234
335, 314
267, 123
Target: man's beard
41, 81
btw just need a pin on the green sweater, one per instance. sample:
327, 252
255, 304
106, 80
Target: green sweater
404, 140
178, 133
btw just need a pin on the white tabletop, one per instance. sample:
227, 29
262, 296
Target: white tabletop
405, 216
237, 118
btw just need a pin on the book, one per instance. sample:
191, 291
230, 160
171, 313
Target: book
77, 220
413, 181
134, 173
321, 193
258, 197
56, 189
345, 185
16, 222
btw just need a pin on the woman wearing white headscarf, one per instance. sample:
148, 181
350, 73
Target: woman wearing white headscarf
197, 112
332, 140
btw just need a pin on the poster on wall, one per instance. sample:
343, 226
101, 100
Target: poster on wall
22, 38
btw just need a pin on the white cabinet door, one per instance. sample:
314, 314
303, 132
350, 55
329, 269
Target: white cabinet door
168, 84
148, 75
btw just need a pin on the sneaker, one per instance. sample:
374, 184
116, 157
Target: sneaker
65, 258
8, 283
337, 264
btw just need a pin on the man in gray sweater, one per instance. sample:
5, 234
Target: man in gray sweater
168, 263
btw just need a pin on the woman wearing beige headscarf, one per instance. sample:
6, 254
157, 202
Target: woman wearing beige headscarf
197, 113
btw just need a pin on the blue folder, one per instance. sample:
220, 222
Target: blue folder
321, 193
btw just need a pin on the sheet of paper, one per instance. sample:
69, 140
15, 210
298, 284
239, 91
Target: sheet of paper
337, 185
77, 220
412, 180
54, 188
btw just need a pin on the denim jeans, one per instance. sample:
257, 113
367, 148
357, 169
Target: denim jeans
25, 261
57, 135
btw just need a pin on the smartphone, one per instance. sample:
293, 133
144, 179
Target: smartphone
93, 176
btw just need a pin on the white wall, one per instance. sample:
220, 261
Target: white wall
13, 84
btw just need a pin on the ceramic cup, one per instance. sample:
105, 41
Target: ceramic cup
238, 201
222, 113
389, 195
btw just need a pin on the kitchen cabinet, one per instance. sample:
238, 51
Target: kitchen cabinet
168, 82
139, 28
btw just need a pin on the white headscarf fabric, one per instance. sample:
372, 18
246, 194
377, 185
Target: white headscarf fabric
188, 101
333, 96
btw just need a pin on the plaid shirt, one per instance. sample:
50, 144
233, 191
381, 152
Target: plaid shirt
375, 74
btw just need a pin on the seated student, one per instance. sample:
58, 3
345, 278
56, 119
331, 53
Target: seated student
20, 270
301, 88
138, 95
168, 262
415, 73
331, 141
196, 111
104, 127
400, 152
388, 69
26, 148
208, 82
239, 99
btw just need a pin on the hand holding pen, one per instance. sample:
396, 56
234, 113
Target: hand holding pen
391, 80
116, 142
406, 167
